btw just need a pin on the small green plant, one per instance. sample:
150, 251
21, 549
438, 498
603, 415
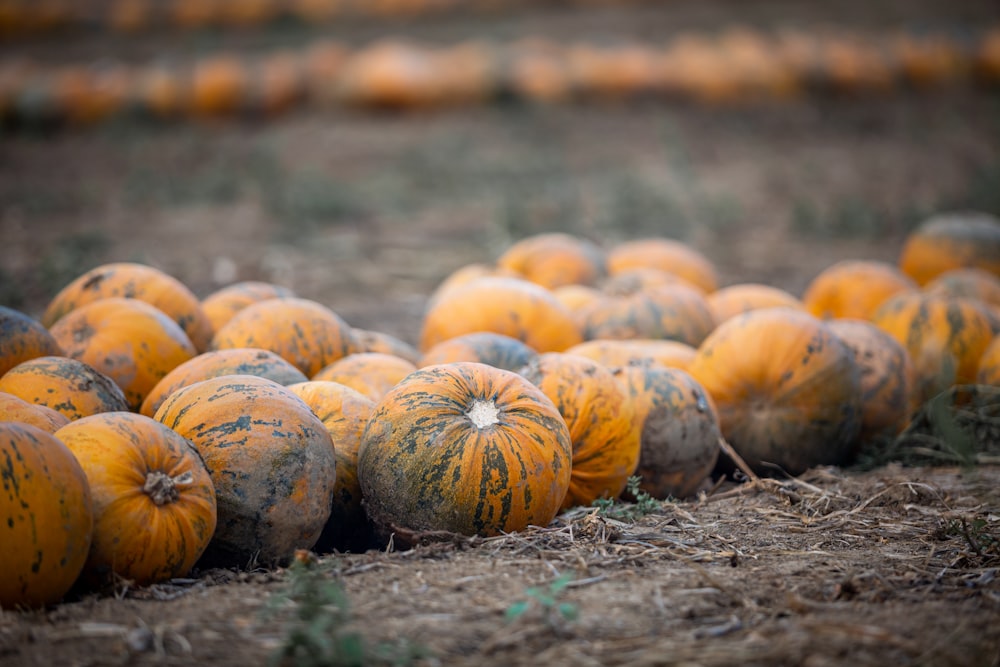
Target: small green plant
317, 634
627, 511
545, 601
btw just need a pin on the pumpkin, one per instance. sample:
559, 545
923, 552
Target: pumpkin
464, 275
247, 13
987, 57
218, 87
989, 364
852, 65
968, 283
16, 409
134, 281
510, 306
160, 90
576, 297
390, 74
467, 448
220, 306
371, 373
944, 336
466, 72
629, 281
22, 338
216, 363
759, 71
927, 61
345, 413
786, 388
674, 312
951, 240
694, 67
367, 340
70, 387
129, 16
315, 11
86, 95
679, 439
485, 347
667, 255
614, 72
737, 299
612, 352
154, 501
535, 70
854, 289
270, 458
194, 14
46, 517
130, 341
601, 420
322, 66
554, 259
887, 377
307, 334
277, 84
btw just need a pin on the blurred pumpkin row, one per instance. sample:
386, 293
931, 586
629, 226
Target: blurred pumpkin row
148, 430
738, 65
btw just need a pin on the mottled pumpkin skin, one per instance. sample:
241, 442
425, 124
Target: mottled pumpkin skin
989, 364
485, 347
968, 283
23, 338
69, 386
634, 279
510, 306
344, 412
154, 501
944, 336
601, 420
555, 259
576, 297
786, 389
307, 334
667, 255
672, 312
614, 353
737, 299
371, 373
680, 429
16, 409
46, 517
465, 274
887, 376
367, 340
135, 281
222, 304
952, 241
130, 341
216, 363
271, 460
854, 289
467, 448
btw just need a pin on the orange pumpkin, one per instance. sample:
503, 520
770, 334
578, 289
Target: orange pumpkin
987, 57
466, 72
367, 340
989, 364
194, 14
154, 502
216, 363
679, 429
390, 74
576, 297
277, 84
467, 448
161, 90
854, 289
16, 409
615, 72
464, 275
371, 373
968, 283
134, 281
756, 65
22, 338
554, 259
220, 306
130, 341
601, 420
667, 255
247, 13
787, 390
344, 412
536, 70
483, 346
510, 306
887, 376
612, 353
694, 67
129, 16
952, 241
674, 312
307, 334
322, 66
69, 386
218, 86
271, 461
852, 65
945, 337
741, 298
927, 61
631, 280
46, 517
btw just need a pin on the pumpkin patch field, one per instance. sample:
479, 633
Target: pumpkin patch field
422, 332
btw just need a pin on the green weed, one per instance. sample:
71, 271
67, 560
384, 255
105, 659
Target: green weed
545, 602
643, 505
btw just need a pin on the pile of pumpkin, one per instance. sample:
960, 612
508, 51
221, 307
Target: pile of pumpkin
144, 430
737, 65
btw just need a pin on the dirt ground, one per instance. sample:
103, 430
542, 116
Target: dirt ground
367, 213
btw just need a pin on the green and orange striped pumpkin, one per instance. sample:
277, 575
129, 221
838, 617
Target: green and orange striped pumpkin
69, 386
486, 347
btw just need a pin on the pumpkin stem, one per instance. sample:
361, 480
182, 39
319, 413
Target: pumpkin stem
484, 413
162, 488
